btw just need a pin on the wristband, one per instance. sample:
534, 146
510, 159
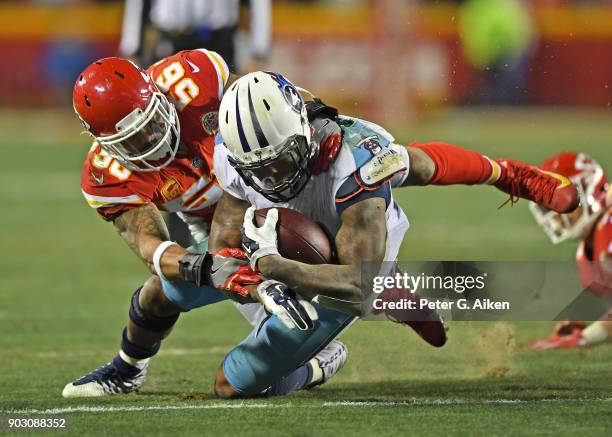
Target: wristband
157, 257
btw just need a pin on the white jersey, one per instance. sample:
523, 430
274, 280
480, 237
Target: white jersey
362, 142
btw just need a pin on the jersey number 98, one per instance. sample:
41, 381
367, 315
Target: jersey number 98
184, 89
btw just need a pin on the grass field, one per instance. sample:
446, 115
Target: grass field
66, 279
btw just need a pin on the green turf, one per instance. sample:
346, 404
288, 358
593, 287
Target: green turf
66, 279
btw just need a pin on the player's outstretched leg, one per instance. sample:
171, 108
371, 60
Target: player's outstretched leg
151, 318
275, 360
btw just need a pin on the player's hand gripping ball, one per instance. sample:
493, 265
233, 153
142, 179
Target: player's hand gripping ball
261, 241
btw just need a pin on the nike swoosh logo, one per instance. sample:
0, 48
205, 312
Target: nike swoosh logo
194, 68
564, 181
99, 179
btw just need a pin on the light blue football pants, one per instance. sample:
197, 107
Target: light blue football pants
271, 351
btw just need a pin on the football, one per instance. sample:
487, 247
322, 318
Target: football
299, 237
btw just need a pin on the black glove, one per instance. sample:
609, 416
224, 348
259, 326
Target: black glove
292, 310
317, 109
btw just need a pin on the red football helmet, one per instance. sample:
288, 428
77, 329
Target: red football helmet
590, 181
122, 108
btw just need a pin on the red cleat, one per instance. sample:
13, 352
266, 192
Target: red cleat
550, 190
425, 322
570, 341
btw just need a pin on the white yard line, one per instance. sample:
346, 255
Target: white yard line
242, 405
426, 402
163, 352
102, 409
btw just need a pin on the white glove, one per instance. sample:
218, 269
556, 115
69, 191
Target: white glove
281, 301
259, 242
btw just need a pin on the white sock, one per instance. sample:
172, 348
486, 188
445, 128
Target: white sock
595, 333
133, 361
317, 372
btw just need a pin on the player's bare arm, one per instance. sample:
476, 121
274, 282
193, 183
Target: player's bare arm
225, 233
361, 238
225, 227
143, 229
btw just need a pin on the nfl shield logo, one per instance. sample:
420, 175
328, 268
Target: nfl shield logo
210, 122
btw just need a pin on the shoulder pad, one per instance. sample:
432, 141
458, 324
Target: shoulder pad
380, 168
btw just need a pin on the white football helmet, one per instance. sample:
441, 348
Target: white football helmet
264, 125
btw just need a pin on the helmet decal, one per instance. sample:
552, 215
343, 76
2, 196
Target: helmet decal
261, 137
243, 141
291, 94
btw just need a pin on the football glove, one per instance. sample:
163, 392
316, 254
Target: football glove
259, 242
227, 270
280, 300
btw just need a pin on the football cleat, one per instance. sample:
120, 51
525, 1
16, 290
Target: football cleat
548, 189
330, 360
427, 323
570, 341
107, 380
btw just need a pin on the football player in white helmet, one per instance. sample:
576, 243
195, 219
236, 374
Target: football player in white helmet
267, 139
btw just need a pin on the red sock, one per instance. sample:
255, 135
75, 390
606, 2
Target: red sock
455, 165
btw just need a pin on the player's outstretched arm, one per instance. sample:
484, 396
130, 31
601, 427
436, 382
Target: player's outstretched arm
361, 238
143, 229
145, 232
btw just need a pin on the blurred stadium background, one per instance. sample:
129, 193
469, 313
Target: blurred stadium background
507, 78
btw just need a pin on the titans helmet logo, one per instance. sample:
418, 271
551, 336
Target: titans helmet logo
291, 94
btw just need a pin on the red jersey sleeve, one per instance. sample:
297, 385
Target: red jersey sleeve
108, 187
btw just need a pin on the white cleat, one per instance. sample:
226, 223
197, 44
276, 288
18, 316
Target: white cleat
105, 381
329, 362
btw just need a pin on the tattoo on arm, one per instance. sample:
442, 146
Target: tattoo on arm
361, 238
225, 227
143, 229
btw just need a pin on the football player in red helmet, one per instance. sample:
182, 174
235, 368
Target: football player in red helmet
591, 225
154, 138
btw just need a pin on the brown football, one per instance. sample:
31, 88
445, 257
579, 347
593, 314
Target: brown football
299, 238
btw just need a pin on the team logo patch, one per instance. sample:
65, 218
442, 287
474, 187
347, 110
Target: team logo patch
210, 122
171, 189
371, 144
290, 92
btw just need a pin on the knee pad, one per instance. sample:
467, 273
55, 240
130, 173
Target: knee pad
272, 351
146, 320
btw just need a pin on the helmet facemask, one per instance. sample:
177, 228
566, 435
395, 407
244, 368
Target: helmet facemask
280, 174
145, 140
